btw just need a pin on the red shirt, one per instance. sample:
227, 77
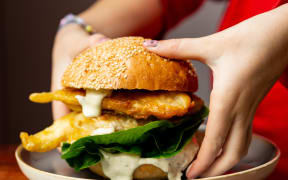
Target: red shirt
271, 118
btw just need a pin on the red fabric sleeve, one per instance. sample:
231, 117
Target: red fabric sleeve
177, 10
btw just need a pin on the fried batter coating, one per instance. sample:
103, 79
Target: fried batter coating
138, 104
65, 95
49, 138
74, 126
141, 105
196, 104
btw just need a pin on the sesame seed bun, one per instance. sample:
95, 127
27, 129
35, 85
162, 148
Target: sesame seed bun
124, 63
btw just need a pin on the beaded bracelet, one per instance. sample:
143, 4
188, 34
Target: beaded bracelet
71, 18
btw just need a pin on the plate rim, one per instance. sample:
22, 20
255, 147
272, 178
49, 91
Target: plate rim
272, 161
22, 162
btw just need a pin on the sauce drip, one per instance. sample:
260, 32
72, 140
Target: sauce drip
122, 166
91, 102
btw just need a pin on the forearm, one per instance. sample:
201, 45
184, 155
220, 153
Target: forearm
269, 33
280, 15
284, 14
64, 50
125, 17
276, 24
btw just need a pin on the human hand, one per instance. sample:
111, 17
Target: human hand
246, 61
69, 42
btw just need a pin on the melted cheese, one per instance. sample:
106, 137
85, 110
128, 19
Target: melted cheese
91, 102
122, 166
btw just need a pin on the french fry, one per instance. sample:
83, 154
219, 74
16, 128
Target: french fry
67, 96
74, 126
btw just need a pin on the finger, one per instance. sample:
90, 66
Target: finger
218, 125
96, 39
239, 138
187, 48
235, 148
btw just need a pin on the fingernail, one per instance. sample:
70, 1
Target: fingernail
189, 172
103, 39
150, 43
94, 40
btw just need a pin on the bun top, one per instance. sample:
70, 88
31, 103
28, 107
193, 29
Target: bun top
124, 63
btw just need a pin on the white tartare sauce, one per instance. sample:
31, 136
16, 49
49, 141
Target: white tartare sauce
91, 102
121, 166
101, 131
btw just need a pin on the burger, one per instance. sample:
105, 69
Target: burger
133, 113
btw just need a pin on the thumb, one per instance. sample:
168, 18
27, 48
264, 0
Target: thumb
186, 48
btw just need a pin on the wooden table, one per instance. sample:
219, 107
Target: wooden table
9, 169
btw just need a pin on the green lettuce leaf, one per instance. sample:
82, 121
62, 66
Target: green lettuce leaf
157, 139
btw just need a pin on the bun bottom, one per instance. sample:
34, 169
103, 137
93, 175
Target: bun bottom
148, 171
145, 171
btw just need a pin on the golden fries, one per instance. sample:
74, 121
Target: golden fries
74, 126
49, 138
67, 96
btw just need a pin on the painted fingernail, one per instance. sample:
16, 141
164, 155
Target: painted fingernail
150, 43
103, 39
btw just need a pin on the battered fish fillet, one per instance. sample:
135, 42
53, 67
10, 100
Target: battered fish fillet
74, 126
138, 104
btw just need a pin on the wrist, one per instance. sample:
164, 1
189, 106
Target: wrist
71, 29
73, 19
66, 36
63, 48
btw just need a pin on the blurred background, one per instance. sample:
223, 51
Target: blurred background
27, 30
